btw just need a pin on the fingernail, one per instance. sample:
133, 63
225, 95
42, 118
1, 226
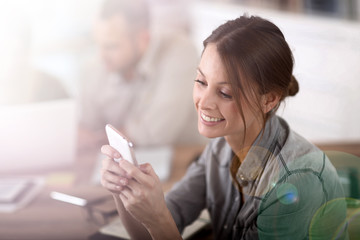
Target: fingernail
116, 155
117, 187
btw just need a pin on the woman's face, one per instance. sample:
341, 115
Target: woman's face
218, 114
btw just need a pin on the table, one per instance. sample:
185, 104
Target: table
45, 218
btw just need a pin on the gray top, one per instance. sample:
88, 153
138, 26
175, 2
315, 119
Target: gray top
289, 188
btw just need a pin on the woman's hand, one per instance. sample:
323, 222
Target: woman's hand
113, 177
143, 196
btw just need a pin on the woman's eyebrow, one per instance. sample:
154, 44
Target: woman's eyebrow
198, 68
220, 83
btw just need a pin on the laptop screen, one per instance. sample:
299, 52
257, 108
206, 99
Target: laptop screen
37, 137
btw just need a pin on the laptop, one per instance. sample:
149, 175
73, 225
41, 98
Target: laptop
35, 139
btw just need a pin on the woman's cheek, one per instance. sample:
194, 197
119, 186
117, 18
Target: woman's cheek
196, 96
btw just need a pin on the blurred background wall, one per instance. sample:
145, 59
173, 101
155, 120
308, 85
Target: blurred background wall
53, 38
327, 56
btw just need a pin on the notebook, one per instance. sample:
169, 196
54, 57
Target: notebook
17, 192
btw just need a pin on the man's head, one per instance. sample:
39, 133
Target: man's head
122, 33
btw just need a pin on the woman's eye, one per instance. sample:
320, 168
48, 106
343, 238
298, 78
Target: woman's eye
224, 95
200, 82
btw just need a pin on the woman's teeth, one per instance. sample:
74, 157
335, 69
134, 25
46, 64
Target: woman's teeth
210, 119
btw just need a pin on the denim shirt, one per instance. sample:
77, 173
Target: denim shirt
288, 190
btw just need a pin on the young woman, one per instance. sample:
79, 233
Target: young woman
257, 178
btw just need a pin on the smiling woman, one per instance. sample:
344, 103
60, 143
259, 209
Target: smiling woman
213, 97
257, 178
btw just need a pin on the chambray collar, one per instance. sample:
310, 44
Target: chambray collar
262, 149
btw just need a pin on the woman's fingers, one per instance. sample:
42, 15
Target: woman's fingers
112, 187
143, 174
108, 164
142, 181
110, 151
113, 176
113, 182
142, 196
147, 169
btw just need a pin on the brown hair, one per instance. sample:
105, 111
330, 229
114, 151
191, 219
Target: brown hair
257, 60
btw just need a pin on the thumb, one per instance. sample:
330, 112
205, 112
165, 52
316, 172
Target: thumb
147, 169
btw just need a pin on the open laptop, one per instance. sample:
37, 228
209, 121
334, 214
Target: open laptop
35, 139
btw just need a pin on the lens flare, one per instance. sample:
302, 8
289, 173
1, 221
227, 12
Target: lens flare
287, 193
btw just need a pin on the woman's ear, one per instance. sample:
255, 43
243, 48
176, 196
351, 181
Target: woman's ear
269, 101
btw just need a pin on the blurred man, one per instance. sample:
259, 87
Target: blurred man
143, 85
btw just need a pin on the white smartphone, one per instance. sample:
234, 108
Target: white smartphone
118, 141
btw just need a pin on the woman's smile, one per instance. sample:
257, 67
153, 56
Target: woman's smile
210, 120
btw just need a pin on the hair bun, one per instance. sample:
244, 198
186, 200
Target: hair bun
293, 88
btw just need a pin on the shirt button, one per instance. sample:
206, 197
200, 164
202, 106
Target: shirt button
225, 227
243, 181
237, 199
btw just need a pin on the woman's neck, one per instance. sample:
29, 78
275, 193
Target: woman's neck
240, 145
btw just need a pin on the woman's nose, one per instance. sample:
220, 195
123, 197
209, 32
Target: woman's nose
207, 100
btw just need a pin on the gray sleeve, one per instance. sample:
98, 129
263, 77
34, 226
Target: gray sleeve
187, 198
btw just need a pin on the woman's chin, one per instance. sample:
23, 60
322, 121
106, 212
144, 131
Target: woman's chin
209, 134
